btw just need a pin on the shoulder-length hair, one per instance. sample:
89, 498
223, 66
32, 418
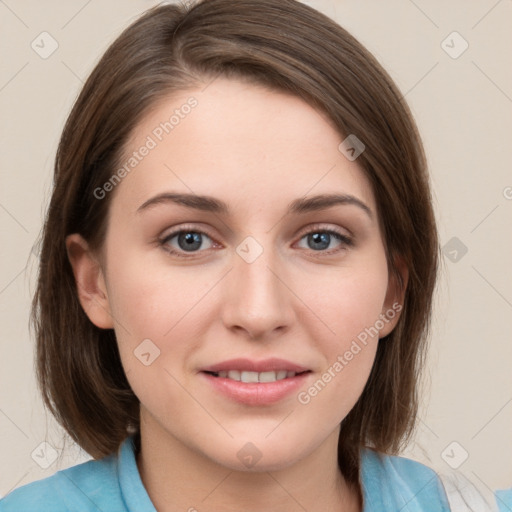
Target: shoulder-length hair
286, 46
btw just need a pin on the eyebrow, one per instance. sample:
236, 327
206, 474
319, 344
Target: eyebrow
214, 205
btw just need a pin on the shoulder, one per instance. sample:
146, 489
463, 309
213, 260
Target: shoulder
88, 486
397, 483
504, 499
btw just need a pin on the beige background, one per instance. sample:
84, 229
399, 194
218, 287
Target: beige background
463, 107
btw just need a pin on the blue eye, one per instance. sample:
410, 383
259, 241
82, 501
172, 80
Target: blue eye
188, 241
321, 240
191, 241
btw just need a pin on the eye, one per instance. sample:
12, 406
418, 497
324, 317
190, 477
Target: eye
186, 240
190, 240
322, 239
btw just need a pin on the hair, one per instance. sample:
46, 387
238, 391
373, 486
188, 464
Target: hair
287, 47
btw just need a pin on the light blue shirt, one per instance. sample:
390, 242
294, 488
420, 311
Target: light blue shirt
504, 500
113, 484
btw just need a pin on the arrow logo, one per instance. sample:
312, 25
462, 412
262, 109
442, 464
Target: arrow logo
454, 45
454, 455
454, 249
249, 249
351, 147
146, 352
249, 455
44, 455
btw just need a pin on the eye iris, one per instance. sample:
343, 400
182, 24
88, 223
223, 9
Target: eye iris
319, 241
189, 241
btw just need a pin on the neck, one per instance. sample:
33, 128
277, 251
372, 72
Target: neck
178, 478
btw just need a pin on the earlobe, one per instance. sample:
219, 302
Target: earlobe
395, 296
90, 282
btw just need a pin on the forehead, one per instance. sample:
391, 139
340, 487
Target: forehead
255, 148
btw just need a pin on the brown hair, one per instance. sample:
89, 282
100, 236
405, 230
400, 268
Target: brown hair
286, 46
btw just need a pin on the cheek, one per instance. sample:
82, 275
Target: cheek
157, 325
151, 300
168, 307
349, 310
346, 301
348, 304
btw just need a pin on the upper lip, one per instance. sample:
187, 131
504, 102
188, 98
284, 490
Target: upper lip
265, 365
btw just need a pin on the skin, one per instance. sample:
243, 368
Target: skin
257, 150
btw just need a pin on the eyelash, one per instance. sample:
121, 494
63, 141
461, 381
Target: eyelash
344, 239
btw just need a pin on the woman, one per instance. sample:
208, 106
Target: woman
236, 273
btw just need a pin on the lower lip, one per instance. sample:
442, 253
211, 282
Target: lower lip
257, 393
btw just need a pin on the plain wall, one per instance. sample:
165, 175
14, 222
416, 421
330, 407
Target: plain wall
463, 107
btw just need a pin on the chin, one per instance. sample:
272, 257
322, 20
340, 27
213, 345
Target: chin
258, 456
275, 462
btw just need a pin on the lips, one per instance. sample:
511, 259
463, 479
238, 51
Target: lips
264, 366
256, 382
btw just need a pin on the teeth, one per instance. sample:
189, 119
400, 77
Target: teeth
267, 377
249, 376
244, 376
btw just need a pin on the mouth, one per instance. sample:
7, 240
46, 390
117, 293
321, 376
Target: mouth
249, 376
256, 383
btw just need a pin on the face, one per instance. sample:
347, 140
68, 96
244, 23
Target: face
278, 277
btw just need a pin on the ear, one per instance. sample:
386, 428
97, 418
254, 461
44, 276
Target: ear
395, 295
90, 282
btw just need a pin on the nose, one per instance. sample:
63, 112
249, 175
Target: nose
257, 301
